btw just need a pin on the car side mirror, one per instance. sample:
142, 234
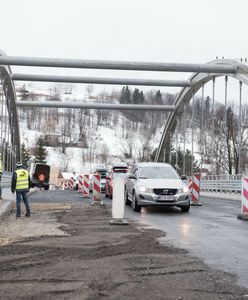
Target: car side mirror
183, 177
132, 176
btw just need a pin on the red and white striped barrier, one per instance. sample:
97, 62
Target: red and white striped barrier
80, 183
195, 199
96, 179
71, 183
244, 200
86, 186
65, 185
190, 185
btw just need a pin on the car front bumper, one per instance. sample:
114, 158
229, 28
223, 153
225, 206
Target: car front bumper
147, 199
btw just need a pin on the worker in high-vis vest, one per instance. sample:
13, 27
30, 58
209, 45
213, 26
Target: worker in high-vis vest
1, 173
20, 184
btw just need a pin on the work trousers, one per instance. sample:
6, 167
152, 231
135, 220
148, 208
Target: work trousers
19, 197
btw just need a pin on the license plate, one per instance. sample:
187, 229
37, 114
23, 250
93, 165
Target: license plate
164, 198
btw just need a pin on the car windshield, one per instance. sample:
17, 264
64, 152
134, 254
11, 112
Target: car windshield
119, 175
157, 172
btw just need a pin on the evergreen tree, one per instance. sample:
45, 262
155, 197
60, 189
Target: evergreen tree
142, 98
136, 96
127, 96
40, 151
24, 93
123, 96
158, 98
25, 155
188, 162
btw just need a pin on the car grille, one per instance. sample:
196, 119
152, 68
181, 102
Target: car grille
165, 191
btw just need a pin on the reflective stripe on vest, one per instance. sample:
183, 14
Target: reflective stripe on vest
22, 179
1, 167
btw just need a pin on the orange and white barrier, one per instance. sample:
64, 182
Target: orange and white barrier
86, 186
80, 183
244, 200
71, 183
96, 180
195, 199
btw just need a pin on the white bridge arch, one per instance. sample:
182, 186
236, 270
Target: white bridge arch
185, 95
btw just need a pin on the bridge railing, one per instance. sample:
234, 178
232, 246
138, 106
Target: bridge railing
222, 183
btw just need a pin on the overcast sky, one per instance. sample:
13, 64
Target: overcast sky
191, 31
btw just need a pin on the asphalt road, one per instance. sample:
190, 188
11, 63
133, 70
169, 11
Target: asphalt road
211, 232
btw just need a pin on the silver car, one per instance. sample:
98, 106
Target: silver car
157, 184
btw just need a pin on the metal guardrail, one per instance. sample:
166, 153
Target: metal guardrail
222, 183
6, 179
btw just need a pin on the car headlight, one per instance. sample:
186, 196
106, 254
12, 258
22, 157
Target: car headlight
185, 189
144, 189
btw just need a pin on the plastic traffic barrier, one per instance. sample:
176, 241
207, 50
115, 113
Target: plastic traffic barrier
96, 196
244, 200
86, 186
195, 199
118, 203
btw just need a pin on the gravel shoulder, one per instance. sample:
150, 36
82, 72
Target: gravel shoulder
70, 251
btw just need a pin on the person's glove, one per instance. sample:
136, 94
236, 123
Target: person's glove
12, 191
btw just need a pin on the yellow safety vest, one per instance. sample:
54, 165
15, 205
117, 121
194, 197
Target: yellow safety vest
1, 167
22, 179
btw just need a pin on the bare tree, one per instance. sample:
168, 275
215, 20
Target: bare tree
89, 89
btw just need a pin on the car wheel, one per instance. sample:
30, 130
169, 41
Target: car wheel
185, 208
127, 201
135, 205
46, 187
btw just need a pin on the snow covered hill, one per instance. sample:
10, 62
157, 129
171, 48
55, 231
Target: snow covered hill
92, 137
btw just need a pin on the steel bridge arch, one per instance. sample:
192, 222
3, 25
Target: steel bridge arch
12, 145
184, 96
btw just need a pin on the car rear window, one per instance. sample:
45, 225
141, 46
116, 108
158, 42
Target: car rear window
119, 175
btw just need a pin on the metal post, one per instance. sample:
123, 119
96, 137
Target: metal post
240, 126
1, 99
176, 151
226, 81
117, 65
213, 125
213, 110
184, 125
202, 104
100, 80
107, 106
192, 133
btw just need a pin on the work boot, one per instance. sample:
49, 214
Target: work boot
27, 214
1, 198
18, 216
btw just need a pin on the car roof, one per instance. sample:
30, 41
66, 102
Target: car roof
153, 164
119, 165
